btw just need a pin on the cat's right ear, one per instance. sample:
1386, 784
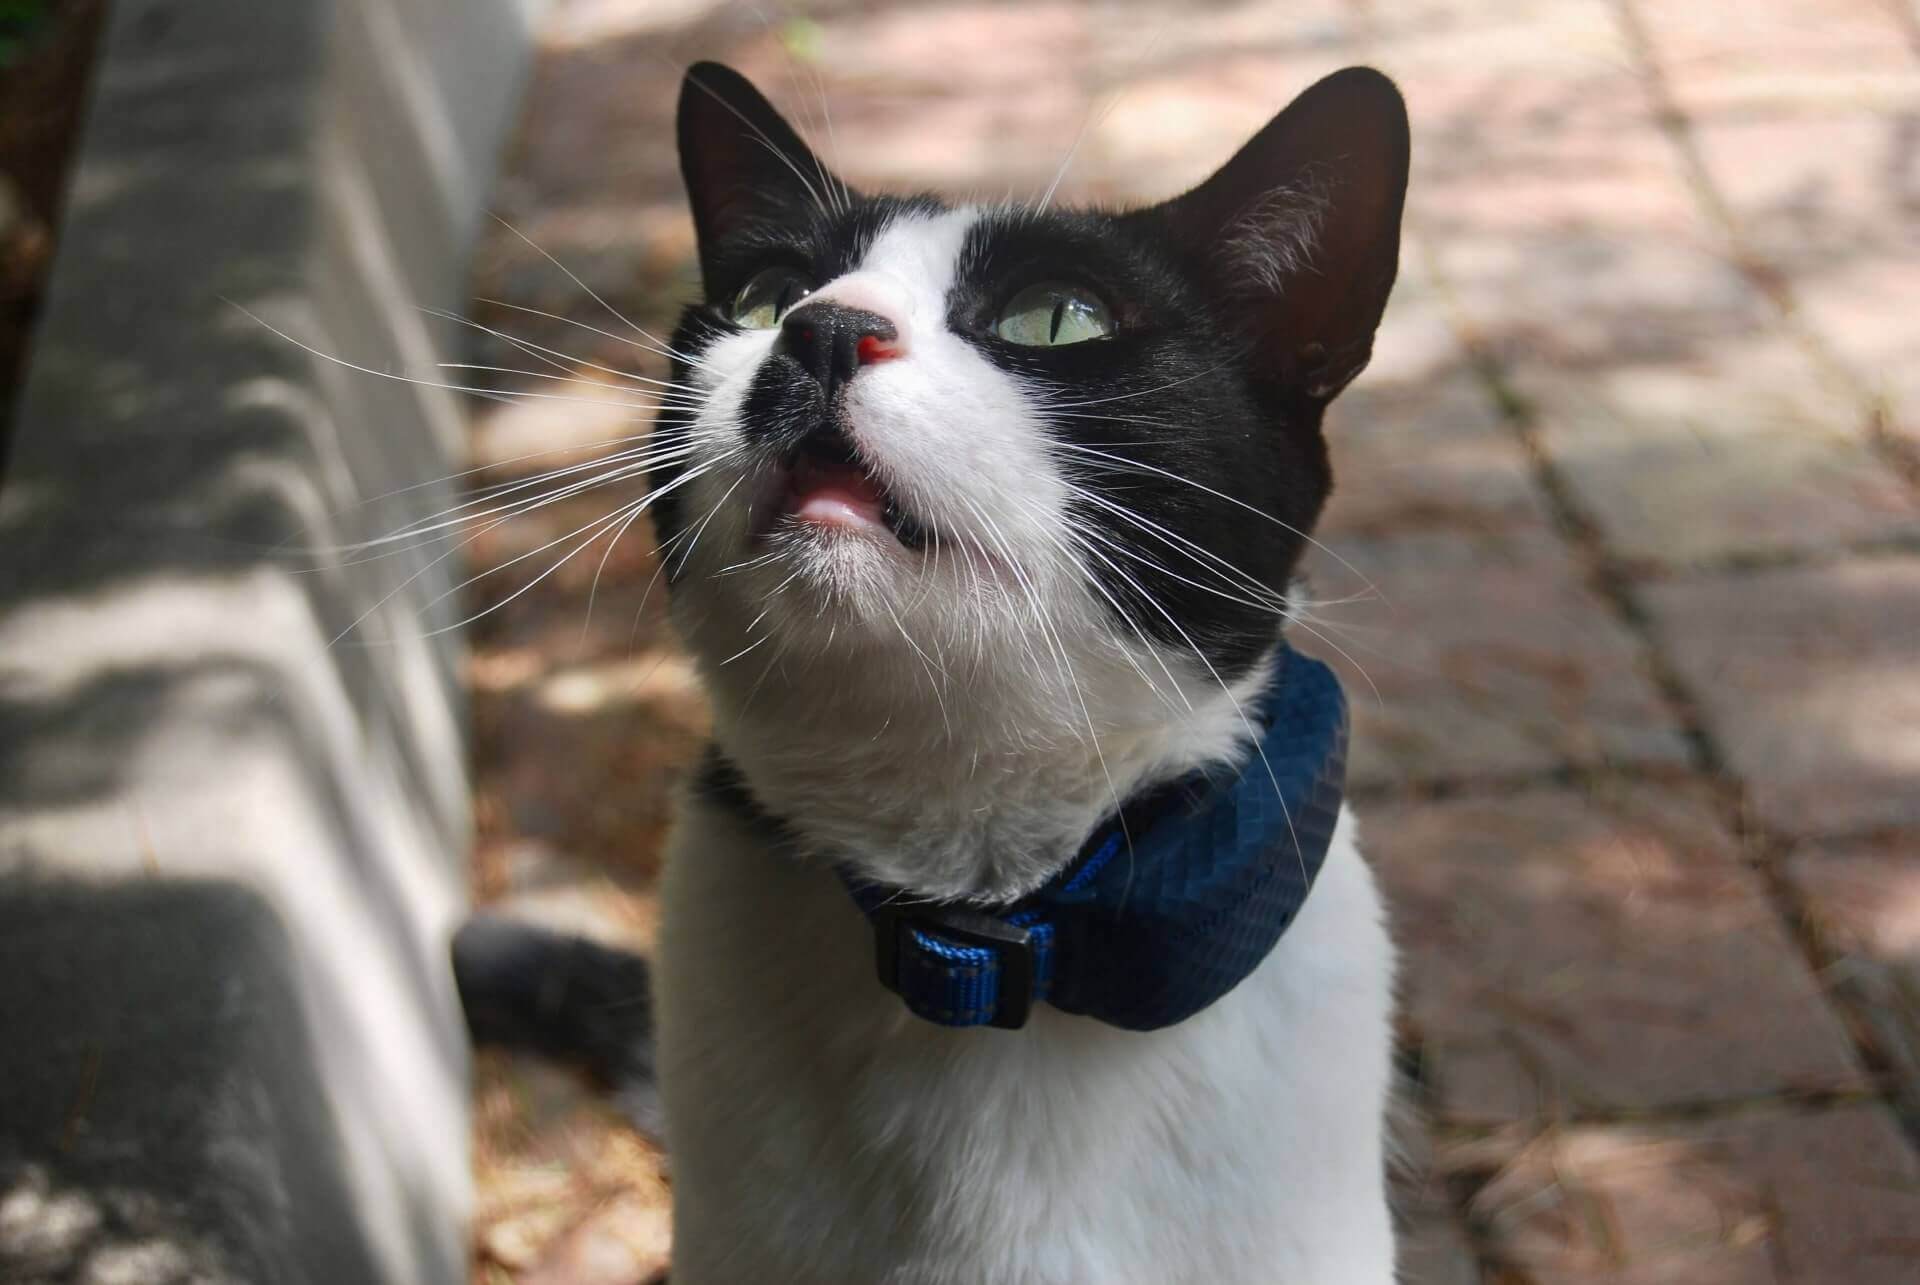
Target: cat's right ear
741, 160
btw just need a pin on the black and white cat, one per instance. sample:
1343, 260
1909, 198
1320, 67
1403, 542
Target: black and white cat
980, 523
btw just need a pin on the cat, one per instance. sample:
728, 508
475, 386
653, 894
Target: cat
1013, 930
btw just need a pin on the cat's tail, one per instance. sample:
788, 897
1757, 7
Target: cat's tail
565, 997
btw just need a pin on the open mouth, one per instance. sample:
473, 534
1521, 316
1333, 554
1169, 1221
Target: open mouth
828, 486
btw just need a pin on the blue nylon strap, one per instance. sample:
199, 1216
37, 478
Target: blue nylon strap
959, 985
1204, 893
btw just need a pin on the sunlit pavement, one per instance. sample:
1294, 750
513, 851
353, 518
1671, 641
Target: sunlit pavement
1627, 587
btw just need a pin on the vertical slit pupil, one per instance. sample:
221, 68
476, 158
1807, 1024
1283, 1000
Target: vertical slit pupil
1059, 312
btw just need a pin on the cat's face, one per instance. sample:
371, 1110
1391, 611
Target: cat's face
1008, 445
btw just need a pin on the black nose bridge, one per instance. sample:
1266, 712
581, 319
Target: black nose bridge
825, 339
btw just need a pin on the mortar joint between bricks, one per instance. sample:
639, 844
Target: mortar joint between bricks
1613, 582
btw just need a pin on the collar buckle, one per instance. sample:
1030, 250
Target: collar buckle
955, 966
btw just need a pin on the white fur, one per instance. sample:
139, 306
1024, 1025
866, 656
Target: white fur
956, 723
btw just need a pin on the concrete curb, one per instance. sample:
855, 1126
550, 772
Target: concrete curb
231, 849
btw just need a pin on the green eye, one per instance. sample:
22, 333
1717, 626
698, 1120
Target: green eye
768, 296
1051, 314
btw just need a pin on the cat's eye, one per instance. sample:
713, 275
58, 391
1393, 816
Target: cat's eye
1051, 314
769, 296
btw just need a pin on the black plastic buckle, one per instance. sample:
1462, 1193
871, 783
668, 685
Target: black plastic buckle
1011, 945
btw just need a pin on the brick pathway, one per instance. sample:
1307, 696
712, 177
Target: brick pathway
1635, 482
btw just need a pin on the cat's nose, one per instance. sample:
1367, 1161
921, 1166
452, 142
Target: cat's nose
832, 342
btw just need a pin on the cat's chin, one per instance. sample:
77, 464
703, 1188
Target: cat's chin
830, 535
835, 563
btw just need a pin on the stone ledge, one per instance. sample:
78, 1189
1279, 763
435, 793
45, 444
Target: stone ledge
233, 794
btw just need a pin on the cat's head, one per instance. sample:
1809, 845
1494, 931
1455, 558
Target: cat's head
1045, 452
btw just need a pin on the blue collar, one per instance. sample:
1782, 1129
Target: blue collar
1145, 935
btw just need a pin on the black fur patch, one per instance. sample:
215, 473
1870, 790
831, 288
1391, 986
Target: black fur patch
1160, 421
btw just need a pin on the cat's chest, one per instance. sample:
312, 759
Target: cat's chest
821, 1133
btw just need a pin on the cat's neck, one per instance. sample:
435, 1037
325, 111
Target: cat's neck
980, 789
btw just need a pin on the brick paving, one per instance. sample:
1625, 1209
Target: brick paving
1628, 546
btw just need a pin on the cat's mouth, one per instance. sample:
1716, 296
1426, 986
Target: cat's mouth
827, 485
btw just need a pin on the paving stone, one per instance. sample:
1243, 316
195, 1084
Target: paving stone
1574, 952
1827, 1199
1417, 443
1733, 448
1428, 455
1477, 655
1828, 203
1863, 903
1782, 55
1677, 404
1809, 680
1688, 422
1542, 94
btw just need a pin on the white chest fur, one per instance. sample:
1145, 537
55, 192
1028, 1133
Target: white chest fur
820, 1133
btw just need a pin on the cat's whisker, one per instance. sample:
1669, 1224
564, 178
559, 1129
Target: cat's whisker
601, 522
1050, 407
833, 144
1246, 724
1126, 618
687, 555
1026, 587
456, 519
1254, 593
356, 367
658, 349
1079, 693
640, 399
927, 664
660, 552
592, 294
593, 590
1141, 466
1282, 610
820, 202
448, 478
749, 564
595, 528
1096, 115
404, 584
652, 452
560, 360
759, 136
828, 183
681, 401
1347, 656
746, 705
753, 646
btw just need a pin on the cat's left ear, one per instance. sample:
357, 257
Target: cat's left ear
1300, 231
741, 160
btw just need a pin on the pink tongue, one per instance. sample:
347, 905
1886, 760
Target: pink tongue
836, 496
